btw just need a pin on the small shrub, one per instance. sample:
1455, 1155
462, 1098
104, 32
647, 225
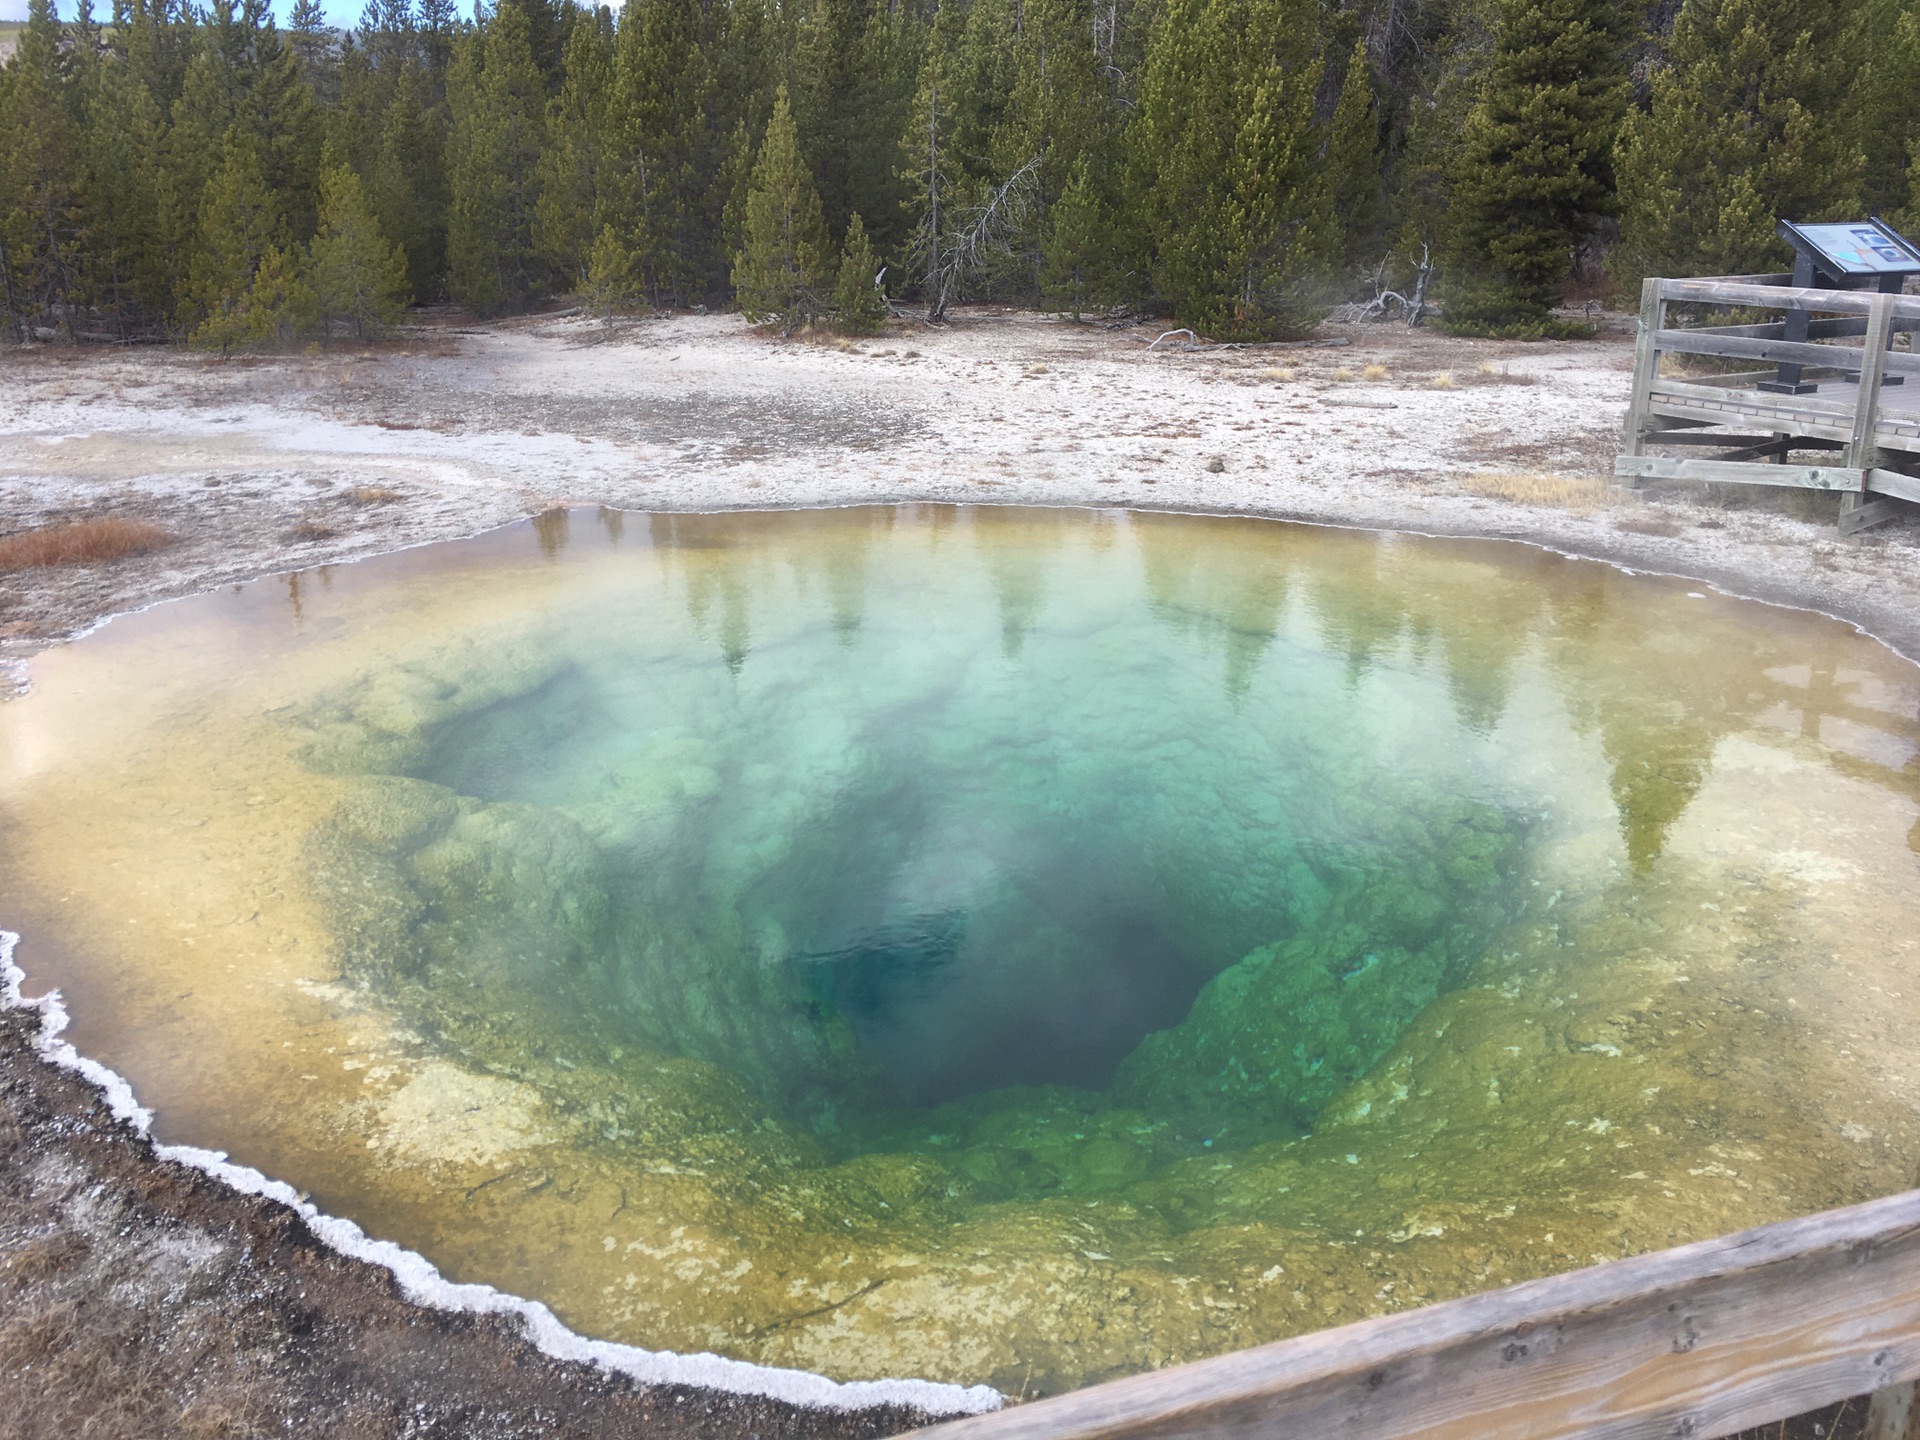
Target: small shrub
1278, 372
1374, 371
1345, 372
1444, 381
82, 542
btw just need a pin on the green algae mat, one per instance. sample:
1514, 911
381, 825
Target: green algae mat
1004, 946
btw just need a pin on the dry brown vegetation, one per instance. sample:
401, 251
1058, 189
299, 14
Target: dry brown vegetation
1487, 374
1562, 492
80, 542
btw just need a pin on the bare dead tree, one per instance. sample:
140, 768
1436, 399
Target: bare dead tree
984, 234
1412, 307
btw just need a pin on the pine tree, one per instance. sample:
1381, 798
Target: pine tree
407, 185
776, 275
495, 97
1058, 108
245, 78
1535, 166
548, 23
1226, 167
274, 312
1077, 263
568, 217
1740, 132
314, 46
1422, 128
40, 183
121, 135
853, 89
931, 165
669, 155
1886, 106
606, 287
1353, 161
356, 276
239, 223
859, 304
439, 24
1903, 200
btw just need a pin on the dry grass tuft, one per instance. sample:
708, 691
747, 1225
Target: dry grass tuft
372, 495
1375, 371
1444, 381
1488, 374
1345, 372
1278, 372
308, 530
83, 542
1580, 493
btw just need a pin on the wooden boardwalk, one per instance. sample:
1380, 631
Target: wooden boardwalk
1695, 1342
1856, 434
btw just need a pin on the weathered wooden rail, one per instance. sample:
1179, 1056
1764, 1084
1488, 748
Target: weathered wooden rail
1697, 1341
1870, 428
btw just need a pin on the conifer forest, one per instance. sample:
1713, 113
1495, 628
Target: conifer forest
196, 172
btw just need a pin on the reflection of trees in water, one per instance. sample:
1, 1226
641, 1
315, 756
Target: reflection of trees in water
297, 589
1019, 547
550, 528
614, 522
844, 571
1230, 596
1660, 681
726, 564
1663, 681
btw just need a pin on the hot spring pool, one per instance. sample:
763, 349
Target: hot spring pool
1005, 946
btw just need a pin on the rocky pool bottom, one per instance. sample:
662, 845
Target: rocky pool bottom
1614, 963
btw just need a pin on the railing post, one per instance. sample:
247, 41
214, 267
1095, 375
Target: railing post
1890, 1414
1646, 364
1856, 510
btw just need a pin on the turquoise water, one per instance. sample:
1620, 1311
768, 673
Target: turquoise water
1006, 946
1039, 820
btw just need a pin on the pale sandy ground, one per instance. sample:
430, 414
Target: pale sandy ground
261, 466
264, 466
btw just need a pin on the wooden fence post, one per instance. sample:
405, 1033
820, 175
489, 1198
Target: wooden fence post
1856, 511
1646, 364
1890, 1415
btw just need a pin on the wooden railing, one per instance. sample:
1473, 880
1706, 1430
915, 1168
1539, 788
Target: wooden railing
1871, 458
1697, 1341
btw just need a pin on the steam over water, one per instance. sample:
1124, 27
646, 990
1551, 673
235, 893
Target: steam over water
989, 945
